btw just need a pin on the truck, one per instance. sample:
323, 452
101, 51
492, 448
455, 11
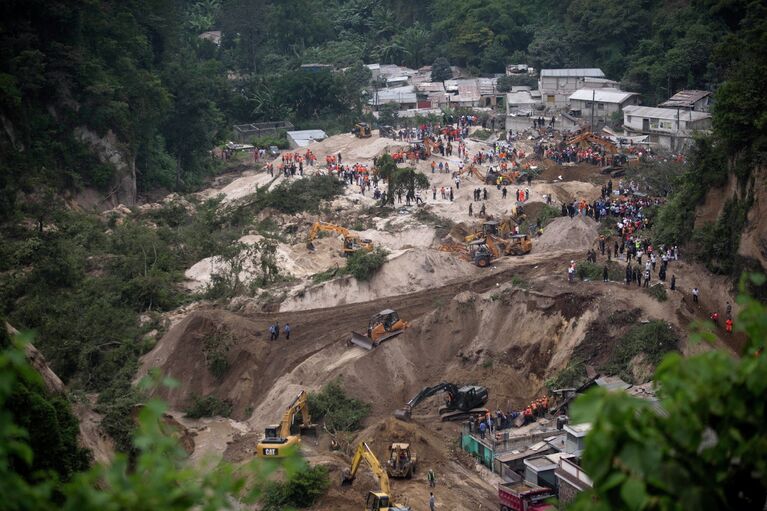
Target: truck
524, 496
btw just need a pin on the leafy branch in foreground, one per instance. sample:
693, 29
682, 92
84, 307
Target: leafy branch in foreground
704, 446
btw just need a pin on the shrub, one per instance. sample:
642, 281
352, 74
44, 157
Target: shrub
547, 214
481, 134
301, 490
593, 271
300, 195
339, 411
658, 291
208, 406
363, 265
653, 340
572, 376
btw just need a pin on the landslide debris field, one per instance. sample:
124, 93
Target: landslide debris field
510, 327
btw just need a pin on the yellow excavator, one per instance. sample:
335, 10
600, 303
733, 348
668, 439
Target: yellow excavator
278, 441
352, 242
586, 138
376, 500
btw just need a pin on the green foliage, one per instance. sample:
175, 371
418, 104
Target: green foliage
705, 450
339, 411
658, 291
481, 134
594, 271
362, 265
208, 406
279, 139
571, 377
299, 195
52, 428
440, 70
548, 214
652, 340
301, 490
506, 82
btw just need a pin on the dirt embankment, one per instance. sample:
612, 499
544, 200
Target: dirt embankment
567, 233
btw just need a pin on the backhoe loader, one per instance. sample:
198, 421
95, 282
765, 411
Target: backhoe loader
376, 500
402, 461
461, 402
352, 242
278, 441
382, 326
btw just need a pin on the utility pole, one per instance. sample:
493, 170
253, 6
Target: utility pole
593, 96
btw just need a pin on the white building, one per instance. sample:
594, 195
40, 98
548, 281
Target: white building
402, 97
601, 103
670, 128
556, 85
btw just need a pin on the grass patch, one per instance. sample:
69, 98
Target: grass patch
208, 406
548, 214
300, 490
519, 282
658, 291
326, 275
481, 134
339, 411
593, 271
298, 195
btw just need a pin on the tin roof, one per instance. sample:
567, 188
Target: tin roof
685, 98
575, 72
602, 95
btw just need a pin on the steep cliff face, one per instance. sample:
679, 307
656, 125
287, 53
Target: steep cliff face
753, 241
110, 151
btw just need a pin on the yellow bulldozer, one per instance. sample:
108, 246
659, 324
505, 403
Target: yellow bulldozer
352, 242
362, 130
376, 500
278, 440
382, 326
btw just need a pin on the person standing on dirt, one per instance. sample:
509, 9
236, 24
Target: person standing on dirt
471, 210
276, 330
271, 332
728, 325
432, 502
287, 331
604, 273
484, 193
695, 294
503, 192
482, 428
451, 194
673, 282
728, 311
647, 278
430, 477
628, 274
571, 272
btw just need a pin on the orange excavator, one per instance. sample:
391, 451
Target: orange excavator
352, 242
588, 137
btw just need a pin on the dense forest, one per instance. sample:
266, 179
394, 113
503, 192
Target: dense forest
136, 73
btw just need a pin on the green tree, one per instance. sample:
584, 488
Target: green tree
702, 447
440, 70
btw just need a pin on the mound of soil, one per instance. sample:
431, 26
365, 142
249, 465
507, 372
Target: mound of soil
406, 271
565, 234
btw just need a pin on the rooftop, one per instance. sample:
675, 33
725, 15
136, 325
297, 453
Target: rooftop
665, 113
578, 430
685, 98
612, 383
562, 73
305, 137
602, 95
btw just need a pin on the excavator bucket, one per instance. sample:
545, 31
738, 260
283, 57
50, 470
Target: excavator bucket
402, 414
363, 341
310, 246
308, 430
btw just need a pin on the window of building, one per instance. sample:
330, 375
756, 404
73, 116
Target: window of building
600, 106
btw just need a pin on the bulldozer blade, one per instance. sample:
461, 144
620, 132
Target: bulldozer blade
402, 414
363, 341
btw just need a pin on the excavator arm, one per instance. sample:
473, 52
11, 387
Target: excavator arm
351, 241
300, 403
426, 392
363, 452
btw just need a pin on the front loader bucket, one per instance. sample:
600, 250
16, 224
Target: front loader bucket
363, 341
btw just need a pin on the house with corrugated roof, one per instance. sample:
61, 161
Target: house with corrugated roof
696, 100
601, 104
556, 85
669, 128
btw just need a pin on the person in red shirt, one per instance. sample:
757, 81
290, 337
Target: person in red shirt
728, 325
